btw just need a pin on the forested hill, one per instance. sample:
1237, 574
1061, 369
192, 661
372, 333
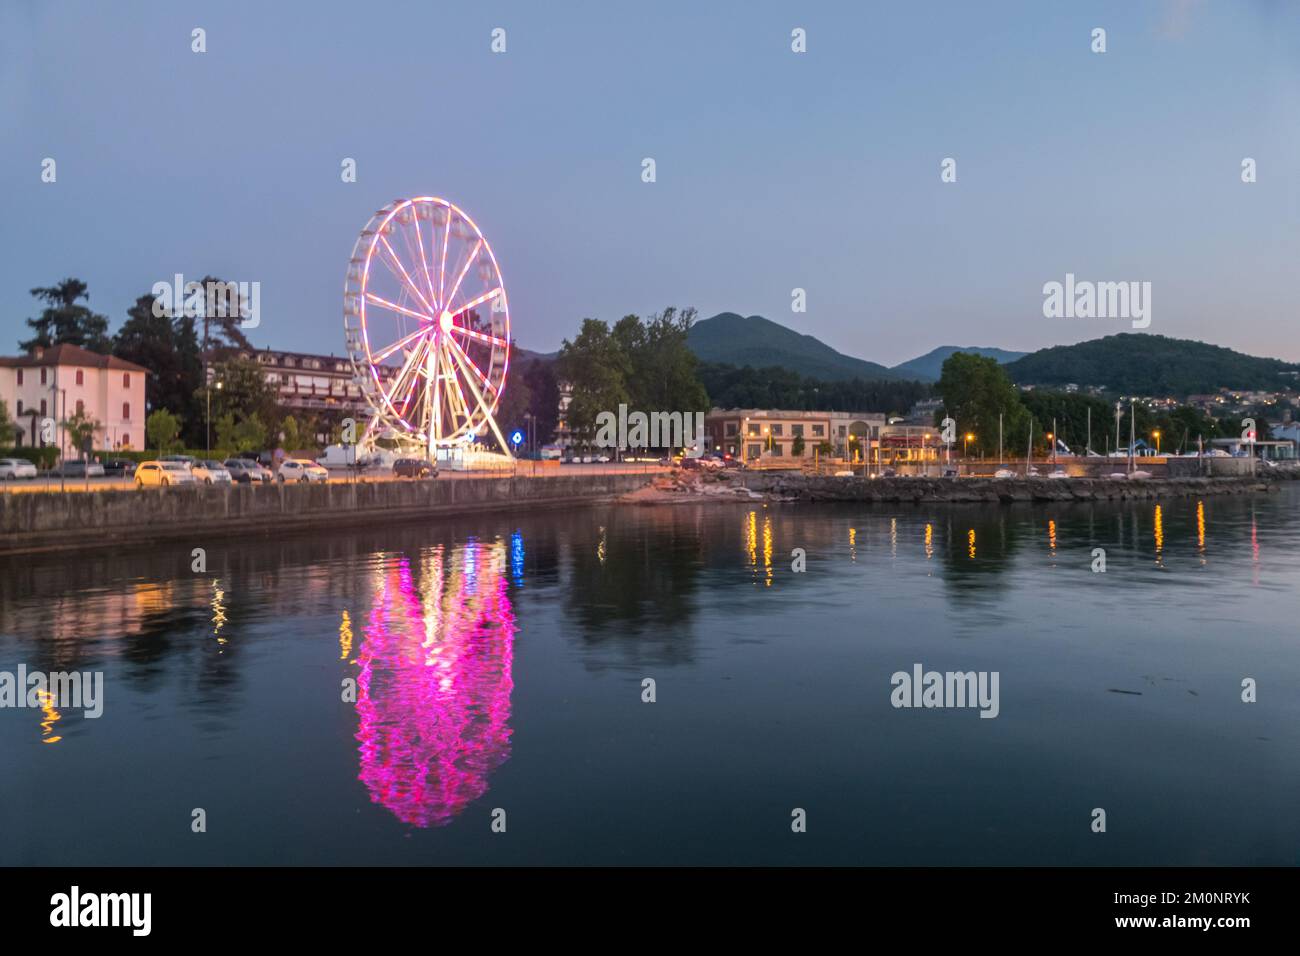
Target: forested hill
1136, 363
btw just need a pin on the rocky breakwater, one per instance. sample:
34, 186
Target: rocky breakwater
1010, 490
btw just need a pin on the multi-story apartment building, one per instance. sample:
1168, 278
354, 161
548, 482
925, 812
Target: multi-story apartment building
751, 433
62, 381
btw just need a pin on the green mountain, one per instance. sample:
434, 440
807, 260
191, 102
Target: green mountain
928, 367
732, 339
1136, 363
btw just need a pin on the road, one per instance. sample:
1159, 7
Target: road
524, 469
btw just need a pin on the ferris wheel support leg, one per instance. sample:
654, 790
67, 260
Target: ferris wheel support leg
487, 412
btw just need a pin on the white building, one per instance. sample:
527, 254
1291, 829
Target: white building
58, 382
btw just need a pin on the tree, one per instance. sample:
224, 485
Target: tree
646, 365
975, 391
239, 387
161, 429
797, 446
663, 376
168, 347
597, 368
240, 434
292, 434
8, 429
222, 316
63, 321
80, 429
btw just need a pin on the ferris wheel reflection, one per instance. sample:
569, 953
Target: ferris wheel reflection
434, 681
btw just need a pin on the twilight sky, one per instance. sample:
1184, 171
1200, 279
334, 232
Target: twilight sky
775, 170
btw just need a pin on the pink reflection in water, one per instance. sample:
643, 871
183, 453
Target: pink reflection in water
434, 682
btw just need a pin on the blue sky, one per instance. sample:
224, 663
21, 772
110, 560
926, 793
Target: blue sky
775, 170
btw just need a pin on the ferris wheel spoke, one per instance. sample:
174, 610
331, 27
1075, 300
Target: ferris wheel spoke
406, 369
463, 356
419, 241
442, 269
479, 301
451, 296
394, 307
479, 336
487, 411
449, 373
401, 343
415, 360
393, 260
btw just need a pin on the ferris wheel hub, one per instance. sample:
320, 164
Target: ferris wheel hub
445, 321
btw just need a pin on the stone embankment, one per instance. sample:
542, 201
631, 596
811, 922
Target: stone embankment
1007, 490
39, 521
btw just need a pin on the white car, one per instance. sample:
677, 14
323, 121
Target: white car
210, 472
163, 473
1004, 473
11, 468
1058, 474
301, 469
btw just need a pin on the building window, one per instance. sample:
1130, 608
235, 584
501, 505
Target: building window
42, 406
731, 427
796, 430
776, 450
818, 431
81, 377
776, 429
754, 451
43, 371
81, 408
126, 379
126, 411
753, 428
126, 439
20, 401
20, 376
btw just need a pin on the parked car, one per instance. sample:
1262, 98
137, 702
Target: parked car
246, 470
12, 468
211, 472
414, 468
691, 464
163, 473
119, 467
301, 469
78, 469
187, 460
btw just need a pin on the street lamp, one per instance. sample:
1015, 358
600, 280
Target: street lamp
1156, 435
965, 445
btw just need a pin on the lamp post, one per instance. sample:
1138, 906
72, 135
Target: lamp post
209, 415
1156, 435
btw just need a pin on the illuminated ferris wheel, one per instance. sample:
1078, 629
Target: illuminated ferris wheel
427, 325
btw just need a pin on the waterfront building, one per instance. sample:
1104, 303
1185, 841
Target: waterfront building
62, 381
752, 433
307, 382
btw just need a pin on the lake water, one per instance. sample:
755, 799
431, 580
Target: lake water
498, 664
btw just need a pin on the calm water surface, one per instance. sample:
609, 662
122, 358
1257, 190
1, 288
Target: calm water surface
498, 663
